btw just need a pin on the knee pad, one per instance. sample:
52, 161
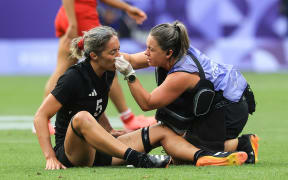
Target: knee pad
146, 140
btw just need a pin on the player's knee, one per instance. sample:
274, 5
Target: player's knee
155, 136
81, 119
166, 134
165, 131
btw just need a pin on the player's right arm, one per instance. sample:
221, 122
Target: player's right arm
133, 12
137, 60
47, 110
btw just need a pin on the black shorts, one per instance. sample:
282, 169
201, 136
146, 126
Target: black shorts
101, 159
225, 123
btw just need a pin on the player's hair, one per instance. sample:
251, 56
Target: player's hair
172, 36
93, 40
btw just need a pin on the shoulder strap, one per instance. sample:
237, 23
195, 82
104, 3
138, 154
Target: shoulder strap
201, 71
160, 74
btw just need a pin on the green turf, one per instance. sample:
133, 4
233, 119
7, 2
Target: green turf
22, 95
21, 157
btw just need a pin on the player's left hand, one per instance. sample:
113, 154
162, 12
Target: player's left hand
137, 14
117, 133
52, 163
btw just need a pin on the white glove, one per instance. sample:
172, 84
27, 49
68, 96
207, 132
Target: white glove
123, 66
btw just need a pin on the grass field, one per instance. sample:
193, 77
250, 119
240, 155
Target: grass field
21, 156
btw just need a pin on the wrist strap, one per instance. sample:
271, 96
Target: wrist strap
126, 77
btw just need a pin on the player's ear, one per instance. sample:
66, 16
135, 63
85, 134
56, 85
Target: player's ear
169, 53
93, 55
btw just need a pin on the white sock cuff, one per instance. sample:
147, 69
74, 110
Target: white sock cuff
124, 115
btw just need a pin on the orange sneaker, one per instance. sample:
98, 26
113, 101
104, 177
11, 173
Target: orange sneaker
250, 147
133, 122
222, 159
254, 142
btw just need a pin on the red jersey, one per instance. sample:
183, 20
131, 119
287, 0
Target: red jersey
86, 15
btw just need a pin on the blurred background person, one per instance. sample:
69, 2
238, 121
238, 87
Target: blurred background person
117, 19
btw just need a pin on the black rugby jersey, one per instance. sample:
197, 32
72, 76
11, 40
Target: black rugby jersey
182, 105
80, 89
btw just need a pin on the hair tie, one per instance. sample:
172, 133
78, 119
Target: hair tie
81, 44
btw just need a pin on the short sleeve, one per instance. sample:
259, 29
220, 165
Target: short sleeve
67, 87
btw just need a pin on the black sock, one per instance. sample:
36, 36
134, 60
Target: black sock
198, 154
131, 156
241, 143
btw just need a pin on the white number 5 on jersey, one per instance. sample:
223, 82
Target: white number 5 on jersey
98, 107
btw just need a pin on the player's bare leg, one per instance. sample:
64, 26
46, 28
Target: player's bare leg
63, 63
177, 147
87, 137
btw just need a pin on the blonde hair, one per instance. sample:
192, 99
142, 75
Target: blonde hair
94, 40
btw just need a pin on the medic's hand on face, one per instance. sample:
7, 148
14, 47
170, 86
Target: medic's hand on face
123, 66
